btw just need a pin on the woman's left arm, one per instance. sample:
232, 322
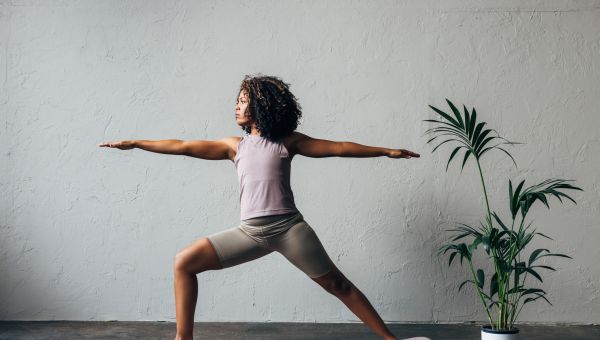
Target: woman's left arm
351, 149
312, 147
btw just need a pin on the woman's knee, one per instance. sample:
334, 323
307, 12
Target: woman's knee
180, 262
335, 282
197, 258
340, 286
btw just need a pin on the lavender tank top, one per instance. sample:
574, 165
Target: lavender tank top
263, 169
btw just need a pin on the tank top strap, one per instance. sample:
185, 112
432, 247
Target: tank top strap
284, 151
241, 142
239, 147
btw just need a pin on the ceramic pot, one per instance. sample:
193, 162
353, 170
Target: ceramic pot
487, 333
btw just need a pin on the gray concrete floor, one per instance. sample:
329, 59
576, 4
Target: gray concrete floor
272, 330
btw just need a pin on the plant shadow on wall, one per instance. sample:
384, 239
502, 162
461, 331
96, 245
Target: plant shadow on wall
502, 243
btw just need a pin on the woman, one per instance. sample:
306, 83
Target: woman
268, 113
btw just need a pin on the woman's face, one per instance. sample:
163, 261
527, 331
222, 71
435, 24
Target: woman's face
241, 109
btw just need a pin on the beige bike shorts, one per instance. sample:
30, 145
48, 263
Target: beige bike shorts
289, 235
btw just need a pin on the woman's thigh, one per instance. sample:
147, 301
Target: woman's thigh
234, 247
303, 248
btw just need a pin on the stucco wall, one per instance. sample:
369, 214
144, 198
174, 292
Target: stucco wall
89, 233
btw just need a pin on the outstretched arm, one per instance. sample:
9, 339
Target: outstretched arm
205, 149
167, 146
317, 148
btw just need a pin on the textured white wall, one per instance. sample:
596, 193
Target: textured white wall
89, 233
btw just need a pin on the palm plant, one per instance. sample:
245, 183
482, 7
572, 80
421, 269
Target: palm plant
504, 246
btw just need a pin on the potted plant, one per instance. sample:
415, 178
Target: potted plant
505, 289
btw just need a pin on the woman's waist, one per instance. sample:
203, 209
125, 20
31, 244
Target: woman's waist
267, 226
271, 220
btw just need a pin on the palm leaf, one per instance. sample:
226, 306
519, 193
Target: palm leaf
523, 201
466, 131
445, 115
456, 113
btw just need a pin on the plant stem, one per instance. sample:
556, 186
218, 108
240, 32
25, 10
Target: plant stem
516, 312
489, 217
479, 293
499, 279
489, 222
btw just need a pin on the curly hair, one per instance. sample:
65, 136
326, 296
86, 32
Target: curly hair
274, 108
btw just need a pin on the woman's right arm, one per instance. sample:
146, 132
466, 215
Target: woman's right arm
204, 149
167, 146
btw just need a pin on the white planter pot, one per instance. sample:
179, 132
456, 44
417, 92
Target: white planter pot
488, 334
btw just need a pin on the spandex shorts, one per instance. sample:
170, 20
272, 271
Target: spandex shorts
289, 235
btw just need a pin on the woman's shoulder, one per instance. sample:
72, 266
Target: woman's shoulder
290, 140
233, 144
233, 141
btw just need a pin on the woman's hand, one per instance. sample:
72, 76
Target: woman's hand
123, 145
401, 153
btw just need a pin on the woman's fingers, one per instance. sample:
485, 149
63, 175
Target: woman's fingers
123, 145
403, 153
109, 144
410, 153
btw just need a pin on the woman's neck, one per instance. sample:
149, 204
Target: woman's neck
255, 132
